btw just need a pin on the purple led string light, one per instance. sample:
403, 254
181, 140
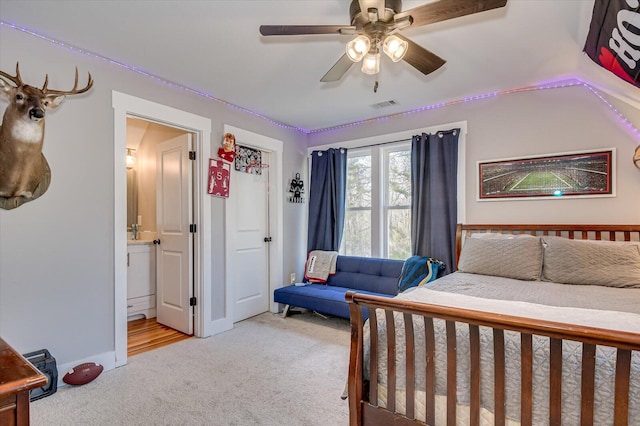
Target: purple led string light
551, 85
622, 118
150, 75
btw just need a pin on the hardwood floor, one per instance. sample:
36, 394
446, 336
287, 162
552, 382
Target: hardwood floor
146, 335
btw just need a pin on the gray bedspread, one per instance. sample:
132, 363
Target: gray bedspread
603, 307
541, 292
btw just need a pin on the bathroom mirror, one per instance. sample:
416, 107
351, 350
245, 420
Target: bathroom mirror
132, 198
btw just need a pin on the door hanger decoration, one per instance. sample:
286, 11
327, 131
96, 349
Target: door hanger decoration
297, 189
248, 160
219, 174
227, 151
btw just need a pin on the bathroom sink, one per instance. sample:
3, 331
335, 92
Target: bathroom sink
143, 241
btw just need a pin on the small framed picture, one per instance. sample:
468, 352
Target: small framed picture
248, 160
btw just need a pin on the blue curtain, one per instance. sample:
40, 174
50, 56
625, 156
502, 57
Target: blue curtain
327, 191
434, 194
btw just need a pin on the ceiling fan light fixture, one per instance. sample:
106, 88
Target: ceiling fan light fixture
404, 22
371, 63
358, 48
395, 47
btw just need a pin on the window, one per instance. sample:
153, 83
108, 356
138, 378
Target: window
397, 241
356, 239
378, 202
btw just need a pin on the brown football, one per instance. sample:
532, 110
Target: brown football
83, 373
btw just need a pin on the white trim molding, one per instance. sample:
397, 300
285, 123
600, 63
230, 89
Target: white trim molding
123, 106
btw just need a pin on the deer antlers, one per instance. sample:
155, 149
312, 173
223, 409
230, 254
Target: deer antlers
17, 80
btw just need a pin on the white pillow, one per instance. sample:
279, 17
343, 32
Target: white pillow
519, 258
605, 263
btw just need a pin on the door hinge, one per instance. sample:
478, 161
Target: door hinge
192, 155
192, 301
192, 228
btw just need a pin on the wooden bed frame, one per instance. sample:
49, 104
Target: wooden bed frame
363, 409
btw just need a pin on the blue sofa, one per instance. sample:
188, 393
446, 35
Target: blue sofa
361, 274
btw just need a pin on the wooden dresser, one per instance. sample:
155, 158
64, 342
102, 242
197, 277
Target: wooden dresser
17, 378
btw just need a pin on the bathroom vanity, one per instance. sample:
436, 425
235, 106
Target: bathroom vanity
141, 279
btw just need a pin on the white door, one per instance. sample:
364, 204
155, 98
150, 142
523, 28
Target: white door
250, 283
174, 267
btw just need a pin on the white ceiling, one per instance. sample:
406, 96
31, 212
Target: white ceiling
215, 47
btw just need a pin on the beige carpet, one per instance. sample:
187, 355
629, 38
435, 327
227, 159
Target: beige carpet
266, 371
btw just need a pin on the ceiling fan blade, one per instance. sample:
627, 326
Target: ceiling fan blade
420, 58
447, 9
338, 69
270, 30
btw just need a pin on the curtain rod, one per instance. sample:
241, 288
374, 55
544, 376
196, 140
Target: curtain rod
368, 146
385, 143
401, 140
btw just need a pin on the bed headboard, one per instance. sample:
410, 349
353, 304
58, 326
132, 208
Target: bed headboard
571, 231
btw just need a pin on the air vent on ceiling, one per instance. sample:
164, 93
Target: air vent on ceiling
385, 104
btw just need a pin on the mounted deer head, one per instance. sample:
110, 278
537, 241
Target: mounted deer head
24, 172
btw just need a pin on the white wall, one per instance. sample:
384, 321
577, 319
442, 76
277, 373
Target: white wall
531, 123
56, 253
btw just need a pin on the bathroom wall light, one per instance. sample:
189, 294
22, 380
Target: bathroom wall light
131, 158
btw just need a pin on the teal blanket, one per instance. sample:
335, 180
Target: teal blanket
417, 271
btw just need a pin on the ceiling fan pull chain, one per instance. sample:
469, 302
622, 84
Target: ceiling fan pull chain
375, 87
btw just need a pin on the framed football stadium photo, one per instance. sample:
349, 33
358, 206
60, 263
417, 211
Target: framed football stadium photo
577, 174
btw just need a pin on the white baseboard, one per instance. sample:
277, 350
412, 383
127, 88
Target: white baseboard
218, 326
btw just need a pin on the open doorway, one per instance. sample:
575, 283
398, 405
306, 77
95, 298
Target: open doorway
213, 312
204, 322
160, 261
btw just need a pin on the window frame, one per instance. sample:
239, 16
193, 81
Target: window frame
363, 152
385, 152
379, 194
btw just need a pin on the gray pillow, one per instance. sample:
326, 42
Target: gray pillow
519, 258
611, 264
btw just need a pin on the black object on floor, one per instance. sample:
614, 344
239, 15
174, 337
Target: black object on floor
46, 364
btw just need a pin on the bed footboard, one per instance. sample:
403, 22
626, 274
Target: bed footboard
363, 389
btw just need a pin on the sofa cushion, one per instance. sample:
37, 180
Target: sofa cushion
327, 299
367, 274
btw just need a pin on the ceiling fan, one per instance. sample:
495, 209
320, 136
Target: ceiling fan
377, 24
